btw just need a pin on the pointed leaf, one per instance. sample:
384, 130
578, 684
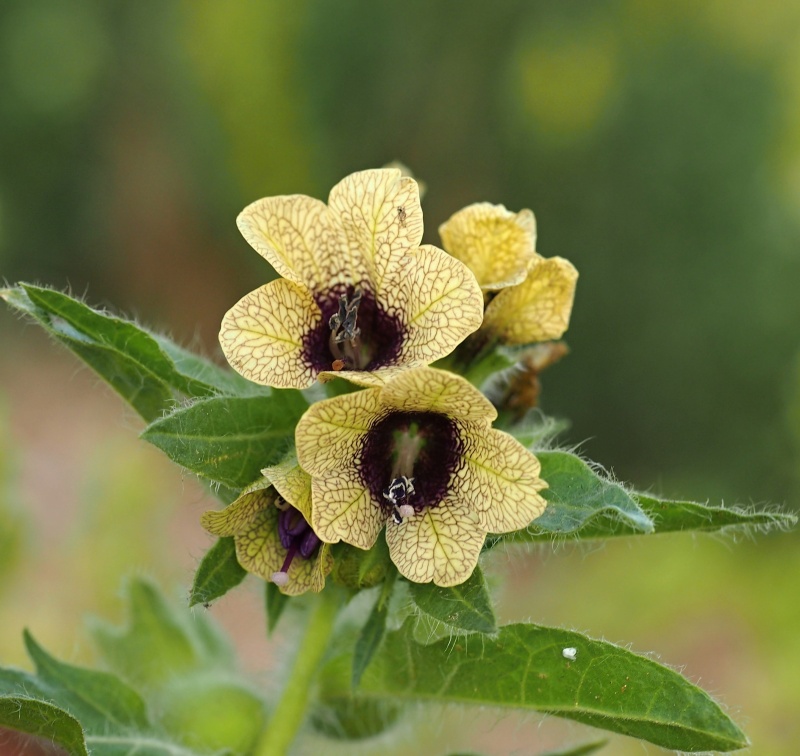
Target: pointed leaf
102, 702
557, 672
219, 571
44, 720
153, 647
137, 364
466, 607
369, 639
229, 439
274, 602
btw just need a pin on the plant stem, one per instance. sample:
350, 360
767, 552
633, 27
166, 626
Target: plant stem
288, 715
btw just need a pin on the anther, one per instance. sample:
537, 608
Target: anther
343, 322
280, 578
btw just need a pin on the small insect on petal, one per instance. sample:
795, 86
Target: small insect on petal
569, 653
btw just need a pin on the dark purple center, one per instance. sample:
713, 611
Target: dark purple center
381, 333
439, 457
296, 535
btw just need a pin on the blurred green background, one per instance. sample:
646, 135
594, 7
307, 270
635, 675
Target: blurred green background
658, 144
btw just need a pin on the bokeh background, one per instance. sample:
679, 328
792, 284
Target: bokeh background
658, 144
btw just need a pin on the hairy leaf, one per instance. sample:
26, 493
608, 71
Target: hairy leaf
584, 749
100, 701
219, 571
44, 720
147, 371
229, 440
531, 667
466, 607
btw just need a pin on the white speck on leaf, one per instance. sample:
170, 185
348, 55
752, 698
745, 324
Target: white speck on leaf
569, 653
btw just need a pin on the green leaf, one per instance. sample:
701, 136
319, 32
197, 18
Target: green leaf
219, 571
370, 637
274, 603
578, 500
100, 701
141, 367
44, 720
466, 607
673, 516
155, 646
524, 667
229, 439
584, 749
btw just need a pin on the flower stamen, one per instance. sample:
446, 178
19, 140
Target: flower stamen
296, 536
345, 341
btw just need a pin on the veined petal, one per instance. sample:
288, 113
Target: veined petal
262, 334
292, 483
440, 300
330, 433
538, 309
379, 217
440, 544
293, 233
239, 515
260, 552
497, 245
367, 378
344, 510
431, 390
499, 480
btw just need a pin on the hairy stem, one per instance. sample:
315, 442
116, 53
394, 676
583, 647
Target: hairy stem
288, 715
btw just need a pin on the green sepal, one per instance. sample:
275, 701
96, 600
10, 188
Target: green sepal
219, 571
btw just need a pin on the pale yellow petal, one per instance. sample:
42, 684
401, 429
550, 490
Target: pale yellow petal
292, 483
379, 218
260, 552
330, 433
262, 335
538, 309
293, 233
439, 544
431, 390
240, 514
499, 480
344, 510
497, 245
440, 301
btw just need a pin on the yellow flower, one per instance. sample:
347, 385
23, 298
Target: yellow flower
359, 298
418, 455
269, 525
535, 294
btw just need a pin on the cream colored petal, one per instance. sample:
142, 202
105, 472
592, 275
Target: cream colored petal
440, 301
330, 433
343, 510
293, 233
262, 335
240, 514
440, 544
292, 483
379, 218
367, 378
497, 245
260, 552
500, 480
536, 310
430, 390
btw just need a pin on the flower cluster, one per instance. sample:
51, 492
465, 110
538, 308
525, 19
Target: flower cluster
412, 452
